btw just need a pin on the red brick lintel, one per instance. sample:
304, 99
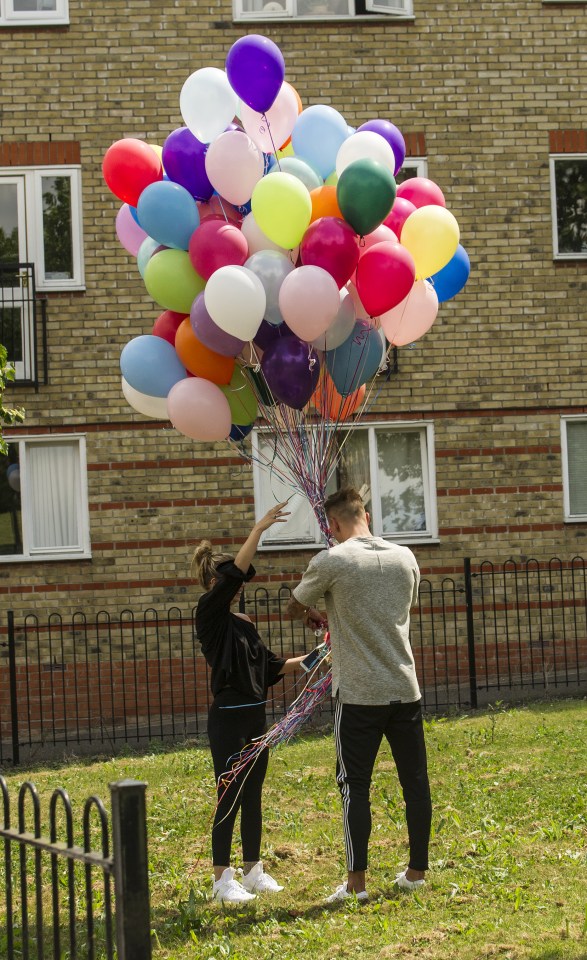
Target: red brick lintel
43, 153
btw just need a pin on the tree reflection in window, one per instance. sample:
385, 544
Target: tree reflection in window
571, 204
57, 240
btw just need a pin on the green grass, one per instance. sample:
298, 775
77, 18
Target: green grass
508, 874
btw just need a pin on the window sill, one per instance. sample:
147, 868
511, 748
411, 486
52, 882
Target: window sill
403, 542
572, 257
35, 24
575, 520
342, 18
45, 558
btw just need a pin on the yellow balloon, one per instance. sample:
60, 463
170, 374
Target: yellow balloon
331, 179
431, 234
282, 208
285, 152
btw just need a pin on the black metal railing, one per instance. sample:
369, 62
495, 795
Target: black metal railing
23, 322
61, 904
508, 630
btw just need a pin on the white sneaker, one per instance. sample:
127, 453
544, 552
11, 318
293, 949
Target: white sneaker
341, 893
229, 890
259, 881
402, 881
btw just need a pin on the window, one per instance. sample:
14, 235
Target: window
568, 184
574, 459
44, 13
412, 167
319, 9
41, 223
393, 464
43, 499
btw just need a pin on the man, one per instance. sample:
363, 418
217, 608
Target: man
369, 585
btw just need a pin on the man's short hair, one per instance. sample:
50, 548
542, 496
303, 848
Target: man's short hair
346, 504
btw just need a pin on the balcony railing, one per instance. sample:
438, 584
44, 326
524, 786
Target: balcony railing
23, 322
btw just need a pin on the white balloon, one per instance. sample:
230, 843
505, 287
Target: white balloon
235, 299
365, 145
342, 326
207, 103
155, 407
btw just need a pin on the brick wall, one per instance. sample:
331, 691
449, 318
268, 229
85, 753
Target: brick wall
489, 86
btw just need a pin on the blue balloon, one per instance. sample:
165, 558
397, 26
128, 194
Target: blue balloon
169, 213
146, 251
151, 365
134, 214
453, 277
318, 135
356, 360
239, 431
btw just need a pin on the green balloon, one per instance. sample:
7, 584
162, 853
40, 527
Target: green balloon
172, 281
241, 399
365, 192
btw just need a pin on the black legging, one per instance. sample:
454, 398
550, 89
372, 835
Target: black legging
230, 728
358, 732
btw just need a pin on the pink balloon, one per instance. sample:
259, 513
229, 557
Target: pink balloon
379, 235
128, 231
234, 164
270, 130
384, 277
332, 244
218, 207
216, 244
360, 312
421, 192
199, 409
413, 317
309, 301
398, 214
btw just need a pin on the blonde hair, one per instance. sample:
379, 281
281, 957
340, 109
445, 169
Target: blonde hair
203, 567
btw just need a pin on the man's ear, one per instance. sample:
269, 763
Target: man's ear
368, 518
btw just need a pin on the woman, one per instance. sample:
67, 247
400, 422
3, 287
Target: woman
242, 668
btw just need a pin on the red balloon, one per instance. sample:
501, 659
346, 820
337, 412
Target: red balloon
421, 192
332, 244
214, 244
385, 276
129, 166
166, 325
398, 215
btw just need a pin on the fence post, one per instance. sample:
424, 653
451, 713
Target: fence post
470, 633
13, 690
131, 870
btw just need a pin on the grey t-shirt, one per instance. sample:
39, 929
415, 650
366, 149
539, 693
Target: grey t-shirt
369, 586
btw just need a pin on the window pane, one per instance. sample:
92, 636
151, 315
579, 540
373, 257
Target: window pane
10, 514
27, 6
322, 8
53, 495
301, 525
353, 469
577, 453
9, 246
571, 205
401, 484
57, 240
11, 329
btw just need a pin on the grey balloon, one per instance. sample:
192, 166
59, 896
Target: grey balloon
271, 267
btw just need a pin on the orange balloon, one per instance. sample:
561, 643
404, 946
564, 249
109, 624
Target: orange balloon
331, 405
324, 203
199, 359
300, 108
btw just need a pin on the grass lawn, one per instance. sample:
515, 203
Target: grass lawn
508, 874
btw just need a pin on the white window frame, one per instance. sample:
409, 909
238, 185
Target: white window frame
33, 554
429, 535
376, 7
9, 17
419, 164
557, 255
33, 225
568, 516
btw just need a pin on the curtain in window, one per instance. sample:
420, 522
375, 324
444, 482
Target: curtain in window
401, 485
53, 489
354, 469
301, 525
577, 454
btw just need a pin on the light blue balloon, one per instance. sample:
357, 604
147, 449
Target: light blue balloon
146, 251
356, 360
151, 365
318, 135
301, 169
168, 212
453, 277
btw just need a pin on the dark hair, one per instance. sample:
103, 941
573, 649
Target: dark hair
346, 504
205, 563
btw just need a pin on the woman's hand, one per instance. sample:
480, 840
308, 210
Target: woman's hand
276, 515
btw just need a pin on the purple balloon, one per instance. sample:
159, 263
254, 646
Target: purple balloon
393, 136
268, 333
291, 369
255, 68
209, 333
184, 159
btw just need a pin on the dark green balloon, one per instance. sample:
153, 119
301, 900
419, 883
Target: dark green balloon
365, 192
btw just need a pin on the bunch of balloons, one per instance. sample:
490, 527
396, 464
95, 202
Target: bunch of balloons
283, 254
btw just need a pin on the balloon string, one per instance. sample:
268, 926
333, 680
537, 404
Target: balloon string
264, 115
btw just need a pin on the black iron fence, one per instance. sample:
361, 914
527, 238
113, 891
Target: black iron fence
23, 322
500, 631
57, 896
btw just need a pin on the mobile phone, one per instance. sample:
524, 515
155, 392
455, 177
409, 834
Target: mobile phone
314, 657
